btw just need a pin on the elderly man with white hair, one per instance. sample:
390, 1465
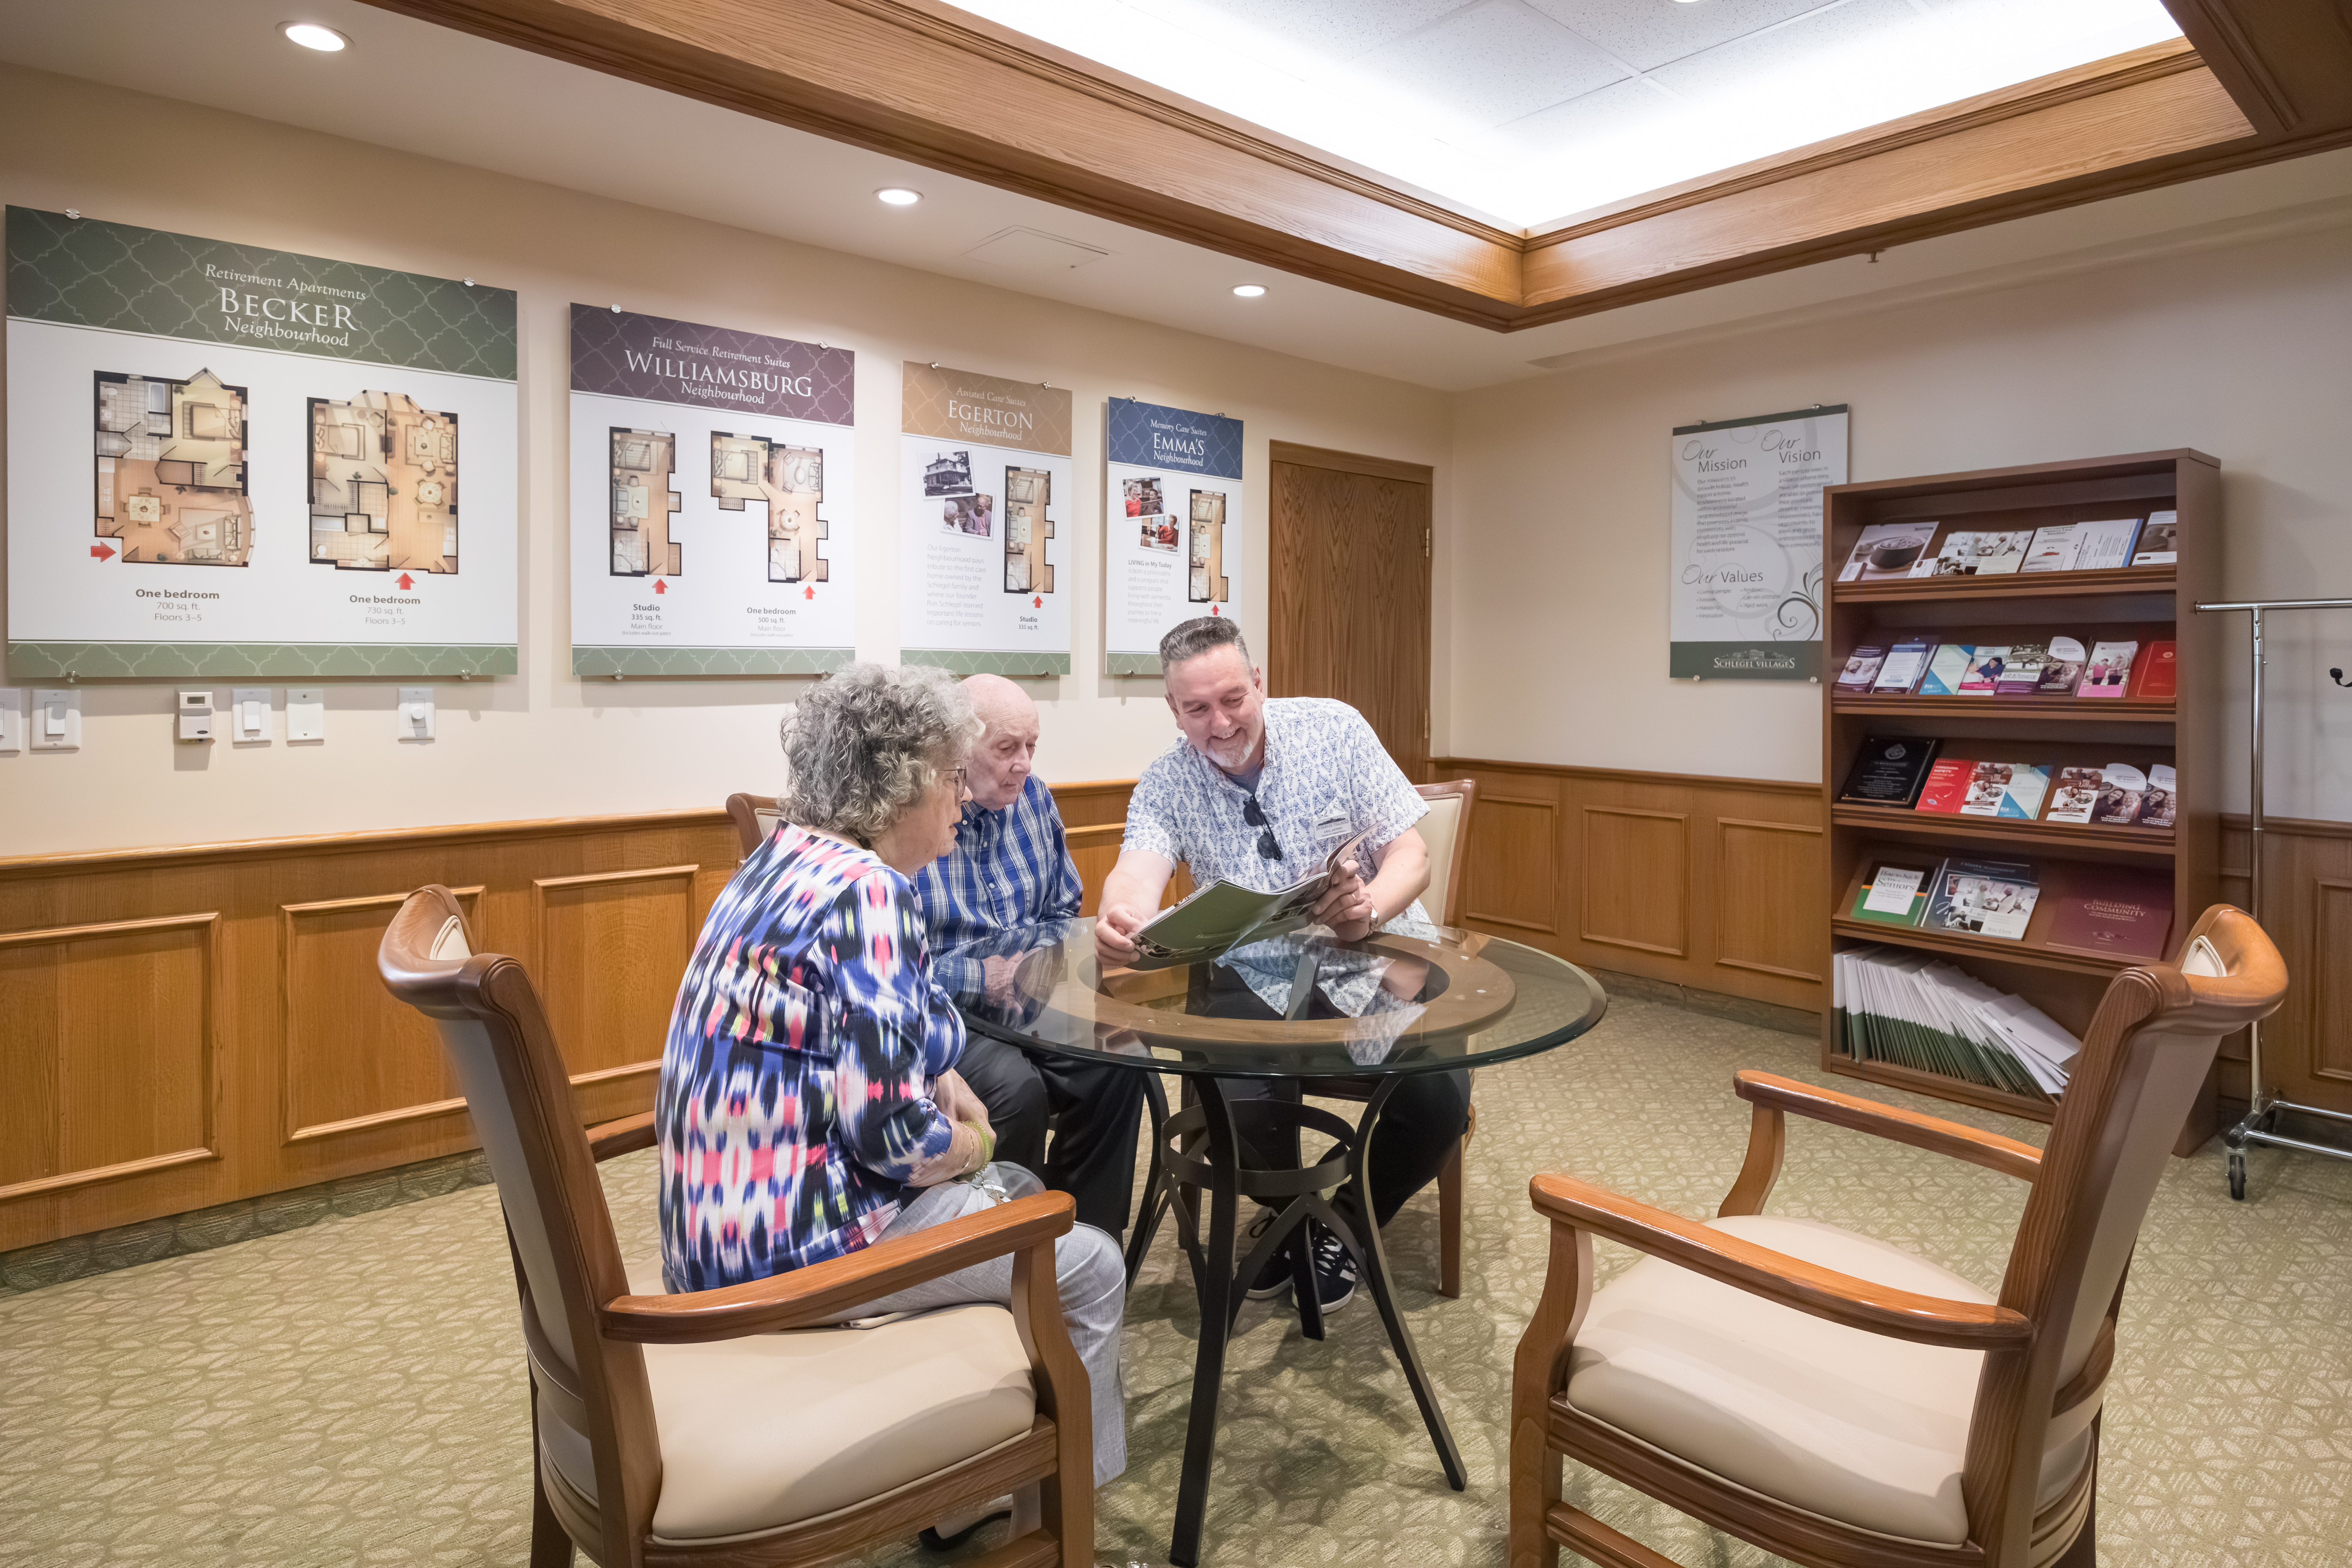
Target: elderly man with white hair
1011, 868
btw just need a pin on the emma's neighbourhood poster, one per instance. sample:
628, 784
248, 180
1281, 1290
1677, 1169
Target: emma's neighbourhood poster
1171, 527
985, 498
711, 493
225, 461
1746, 545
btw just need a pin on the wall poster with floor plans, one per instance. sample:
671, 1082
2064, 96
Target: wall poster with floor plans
710, 499
1743, 589
225, 461
985, 500
1174, 499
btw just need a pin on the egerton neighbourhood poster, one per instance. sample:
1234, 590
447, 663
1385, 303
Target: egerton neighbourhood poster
1172, 526
985, 500
1746, 544
710, 494
225, 461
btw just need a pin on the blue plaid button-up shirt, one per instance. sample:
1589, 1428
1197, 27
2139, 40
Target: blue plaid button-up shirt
1010, 868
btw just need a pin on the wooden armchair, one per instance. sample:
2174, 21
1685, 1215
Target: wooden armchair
1839, 1401
677, 1430
755, 817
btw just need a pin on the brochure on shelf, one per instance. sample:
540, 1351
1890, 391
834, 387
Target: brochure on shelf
2062, 671
1984, 671
1947, 669
1862, 668
1947, 784
1983, 898
1913, 1011
2109, 672
2114, 911
1887, 549
2006, 789
1978, 554
1905, 661
1896, 891
1888, 771
2021, 672
2159, 541
2157, 677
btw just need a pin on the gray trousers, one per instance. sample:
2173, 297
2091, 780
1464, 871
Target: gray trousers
1087, 1268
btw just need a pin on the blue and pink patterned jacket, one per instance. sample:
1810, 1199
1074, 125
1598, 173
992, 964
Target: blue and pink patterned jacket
795, 1086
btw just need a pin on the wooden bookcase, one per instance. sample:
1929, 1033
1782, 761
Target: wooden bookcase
2142, 603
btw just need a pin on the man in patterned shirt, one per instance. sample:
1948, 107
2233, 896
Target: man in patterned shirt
1011, 868
1255, 791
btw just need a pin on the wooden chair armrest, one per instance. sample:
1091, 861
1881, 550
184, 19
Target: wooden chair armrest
1990, 1150
626, 1136
823, 1292
1760, 1271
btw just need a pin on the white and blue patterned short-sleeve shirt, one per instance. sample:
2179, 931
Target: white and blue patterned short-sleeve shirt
1326, 778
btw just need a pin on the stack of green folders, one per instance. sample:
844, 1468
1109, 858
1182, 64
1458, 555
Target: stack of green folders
1908, 1009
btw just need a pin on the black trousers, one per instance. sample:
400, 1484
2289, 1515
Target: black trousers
1419, 1126
1092, 1110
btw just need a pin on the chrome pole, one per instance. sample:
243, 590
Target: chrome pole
2257, 1091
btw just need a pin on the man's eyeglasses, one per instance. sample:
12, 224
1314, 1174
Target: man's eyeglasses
1254, 814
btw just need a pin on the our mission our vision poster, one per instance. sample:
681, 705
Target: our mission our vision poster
710, 496
986, 502
1744, 594
1172, 526
231, 461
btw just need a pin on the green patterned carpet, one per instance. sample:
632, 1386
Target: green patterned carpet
353, 1392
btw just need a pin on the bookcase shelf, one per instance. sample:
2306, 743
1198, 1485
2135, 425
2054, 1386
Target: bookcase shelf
2141, 603
2060, 838
1959, 710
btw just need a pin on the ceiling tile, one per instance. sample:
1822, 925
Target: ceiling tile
1645, 34
1748, 61
1488, 64
1329, 29
1622, 108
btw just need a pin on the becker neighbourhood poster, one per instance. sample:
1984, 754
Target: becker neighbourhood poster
225, 461
1171, 527
1746, 549
710, 494
985, 498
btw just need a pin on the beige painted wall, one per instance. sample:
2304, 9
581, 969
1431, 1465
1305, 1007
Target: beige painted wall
1558, 544
542, 743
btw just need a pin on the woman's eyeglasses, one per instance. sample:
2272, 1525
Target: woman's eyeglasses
1254, 814
960, 780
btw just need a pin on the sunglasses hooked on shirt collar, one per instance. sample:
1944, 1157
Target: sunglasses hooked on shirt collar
1254, 814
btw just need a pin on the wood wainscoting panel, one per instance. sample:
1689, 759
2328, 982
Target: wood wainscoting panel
1636, 879
2330, 1050
1510, 876
1705, 883
108, 1039
597, 935
351, 1057
1761, 867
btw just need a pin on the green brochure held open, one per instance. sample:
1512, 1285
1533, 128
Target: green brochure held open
1226, 915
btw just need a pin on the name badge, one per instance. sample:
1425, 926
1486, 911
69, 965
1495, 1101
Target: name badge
1332, 824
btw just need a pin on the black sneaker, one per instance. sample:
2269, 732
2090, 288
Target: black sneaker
1274, 1278
1335, 1272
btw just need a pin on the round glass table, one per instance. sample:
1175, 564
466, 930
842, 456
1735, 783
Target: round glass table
1335, 1019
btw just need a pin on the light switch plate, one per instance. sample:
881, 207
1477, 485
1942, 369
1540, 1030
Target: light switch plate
306, 713
56, 719
249, 716
414, 713
12, 720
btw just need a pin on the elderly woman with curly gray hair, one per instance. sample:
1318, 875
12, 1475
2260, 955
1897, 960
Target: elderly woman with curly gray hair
809, 1104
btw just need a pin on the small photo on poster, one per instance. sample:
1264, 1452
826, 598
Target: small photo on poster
1158, 533
948, 474
1143, 496
974, 515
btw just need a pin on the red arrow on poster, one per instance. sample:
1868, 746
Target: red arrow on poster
1036, 604
808, 592
407, 581
660, 586
1215, 611
103, 551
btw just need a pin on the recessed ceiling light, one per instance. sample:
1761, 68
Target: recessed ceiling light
898, 196
311, 36
1249, 290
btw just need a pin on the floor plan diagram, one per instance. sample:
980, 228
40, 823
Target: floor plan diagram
1207, 583
644, 499
790, 481
1026, 529
384, 485
171, 470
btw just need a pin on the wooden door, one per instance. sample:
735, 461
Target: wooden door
1348, 601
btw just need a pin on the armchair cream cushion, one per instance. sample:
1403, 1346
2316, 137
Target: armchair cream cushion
1852, 1425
